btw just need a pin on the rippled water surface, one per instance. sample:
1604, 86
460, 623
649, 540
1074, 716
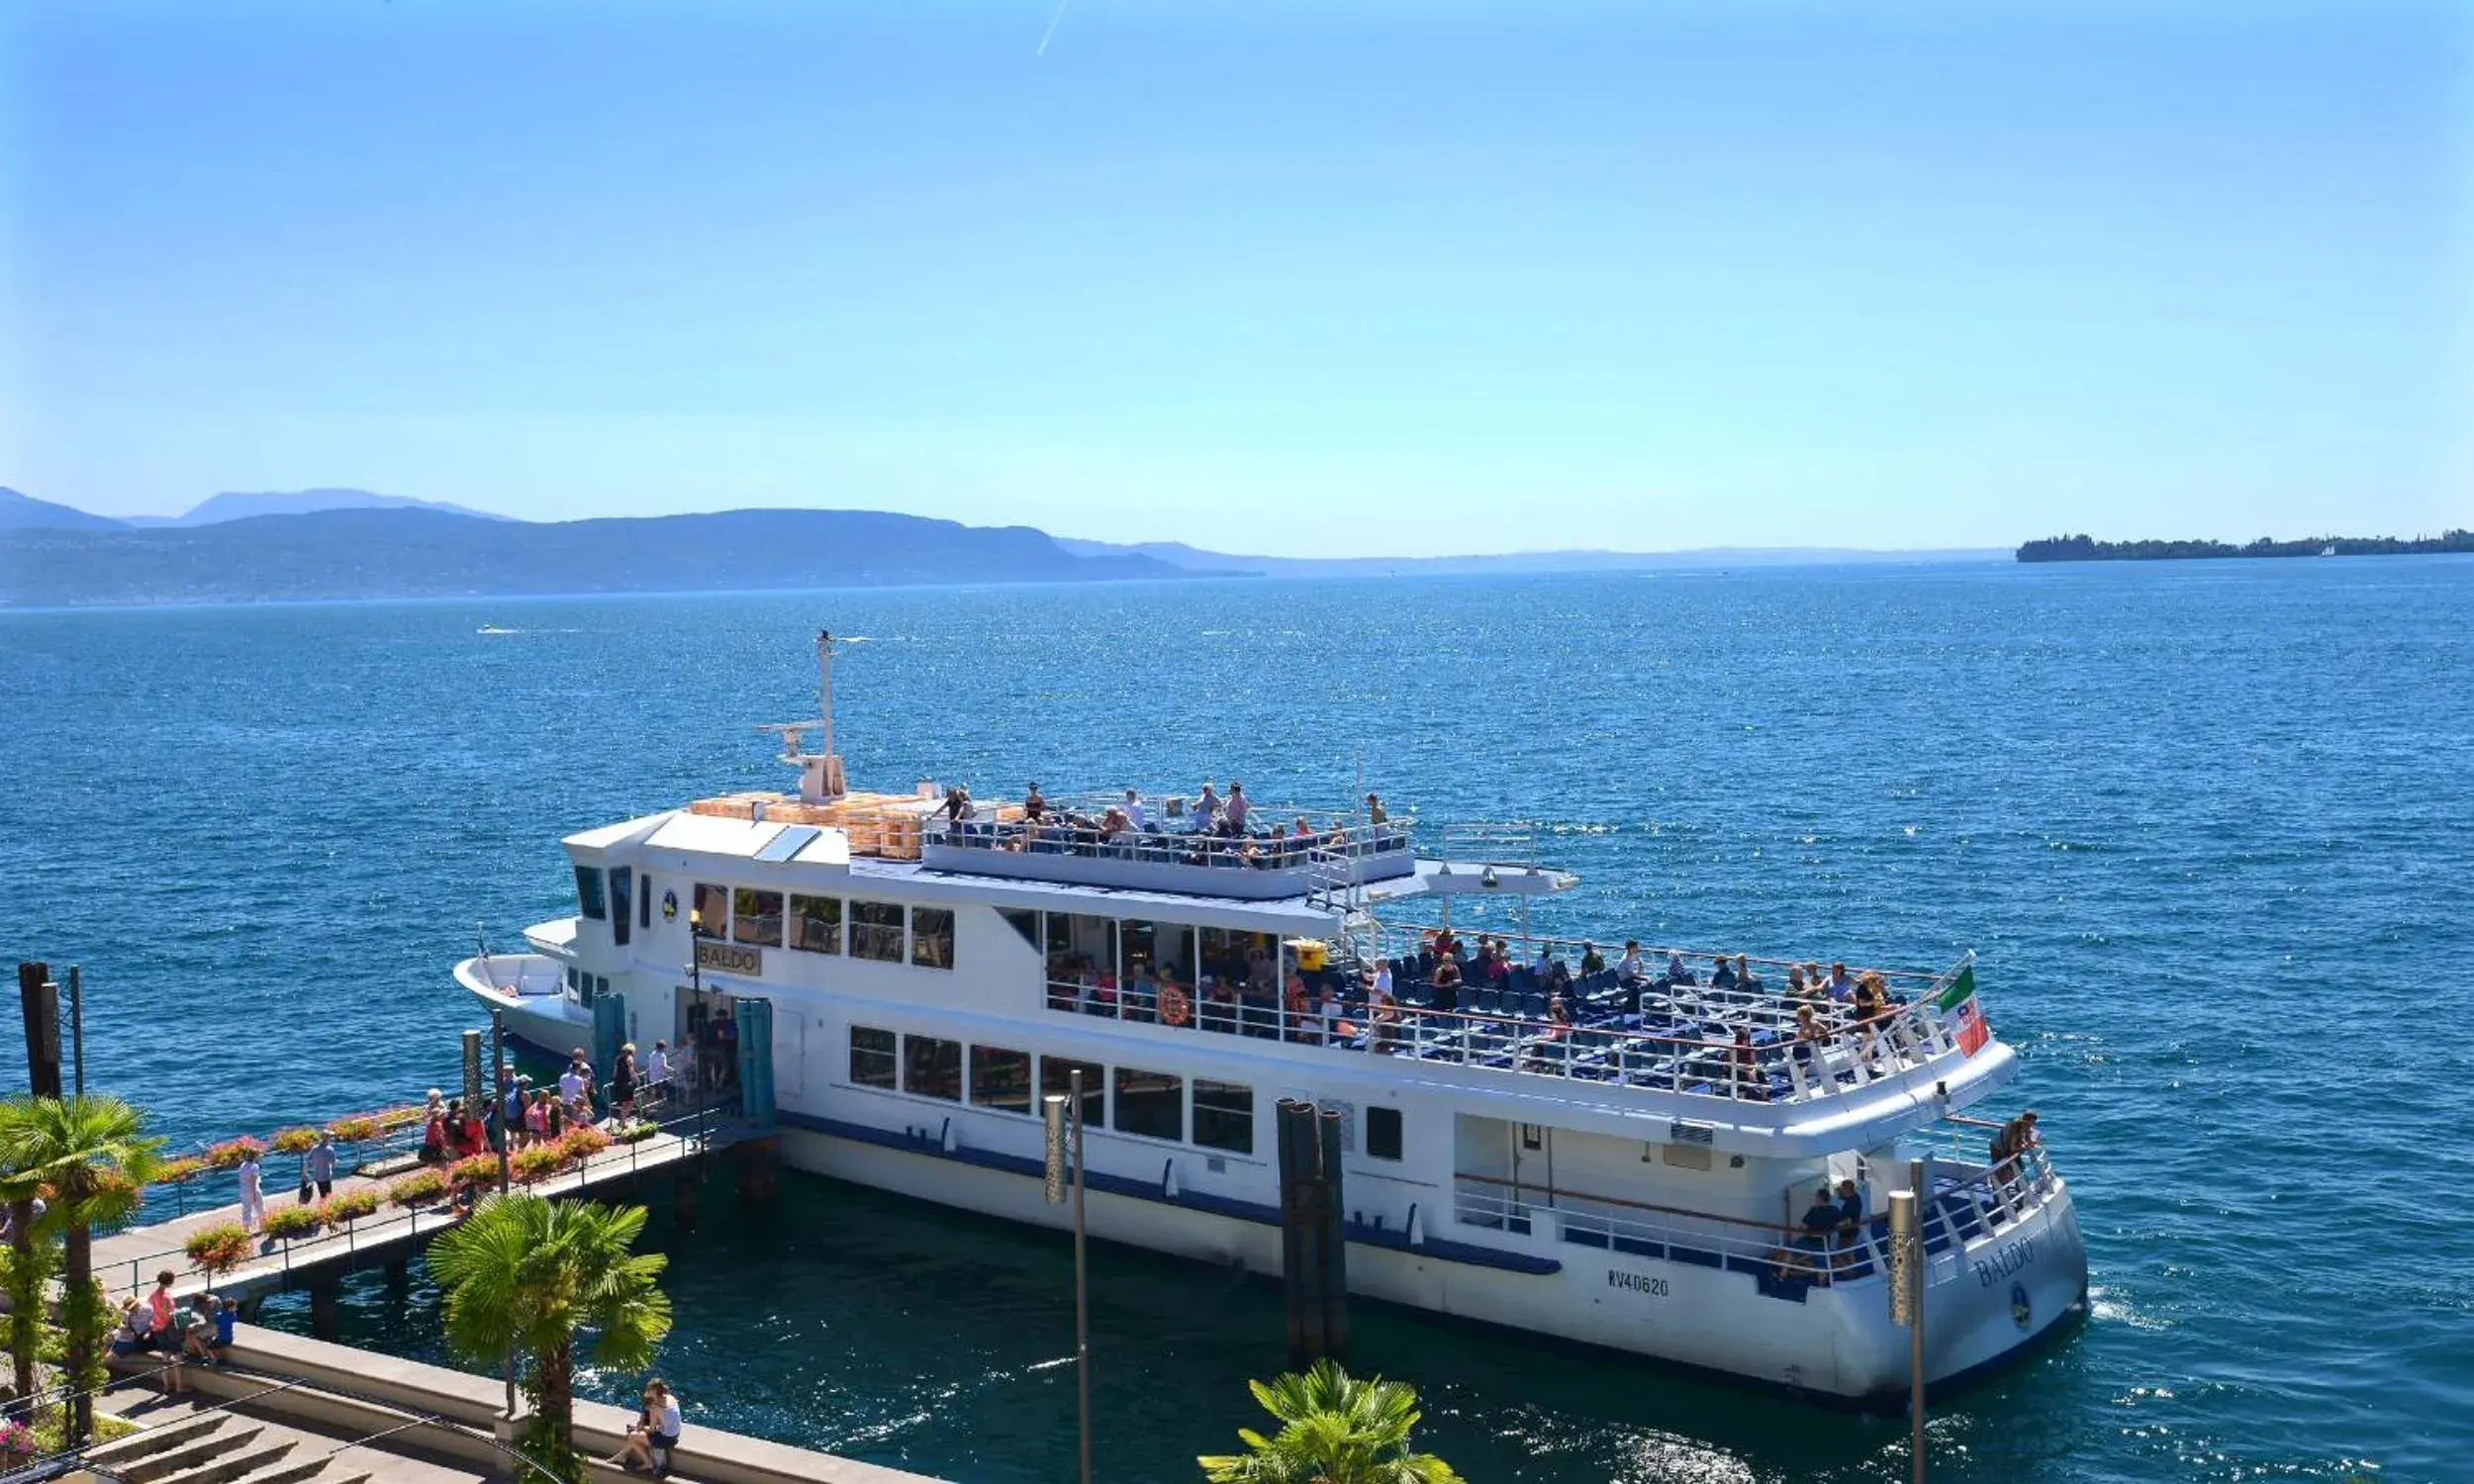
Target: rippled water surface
2209, 826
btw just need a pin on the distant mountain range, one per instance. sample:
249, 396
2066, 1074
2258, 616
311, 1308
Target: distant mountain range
428, 553
1194, 559
2089, 549
334, 543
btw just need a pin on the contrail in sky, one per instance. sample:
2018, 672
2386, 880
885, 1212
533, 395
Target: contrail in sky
1052, 28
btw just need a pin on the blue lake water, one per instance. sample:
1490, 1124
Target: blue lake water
2209, 826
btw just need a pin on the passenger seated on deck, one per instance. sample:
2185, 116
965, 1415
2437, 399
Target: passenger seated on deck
1821, 1223
1744, 1065
1677, 974
1841, 989
1219, 1005
1744, 979
1630, 966
1722, 973
1590, 959
1797, 987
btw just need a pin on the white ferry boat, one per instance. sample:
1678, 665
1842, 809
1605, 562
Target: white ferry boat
1622, 1153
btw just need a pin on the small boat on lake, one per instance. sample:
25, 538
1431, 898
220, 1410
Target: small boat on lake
1615, 1145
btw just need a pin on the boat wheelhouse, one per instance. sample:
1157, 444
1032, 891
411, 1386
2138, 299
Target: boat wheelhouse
1623, 1152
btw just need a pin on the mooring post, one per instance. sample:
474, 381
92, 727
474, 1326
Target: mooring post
754, 1159
1332, 1274
41, 1001
325, 1294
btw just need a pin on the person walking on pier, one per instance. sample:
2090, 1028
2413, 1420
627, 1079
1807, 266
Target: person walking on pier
622, 1084
318, 1168
657, 1076
252, 1196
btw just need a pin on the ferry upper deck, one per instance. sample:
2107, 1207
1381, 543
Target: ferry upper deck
1272, 940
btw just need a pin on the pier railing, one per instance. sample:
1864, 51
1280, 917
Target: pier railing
693, 1126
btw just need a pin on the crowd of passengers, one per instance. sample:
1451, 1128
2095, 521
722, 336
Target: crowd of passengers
1215, 830
1248, 993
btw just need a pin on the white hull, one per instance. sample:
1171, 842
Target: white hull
549, 1021
1835, 1344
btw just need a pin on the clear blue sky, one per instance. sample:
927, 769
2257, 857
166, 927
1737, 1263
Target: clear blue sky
1290, 277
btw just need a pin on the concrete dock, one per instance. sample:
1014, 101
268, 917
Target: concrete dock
294, 1408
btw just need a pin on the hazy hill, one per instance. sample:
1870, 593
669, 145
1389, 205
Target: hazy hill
26, 512
234, 504
1195, 559
421, 553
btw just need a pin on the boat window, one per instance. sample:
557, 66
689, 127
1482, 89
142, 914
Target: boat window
1082, 964
1383, 1133
931, 1068
1025, 923
1150, 1103
932, 937
709, 917
645, 906
1224, 1116
1174, 951
876, 931
1001, 1078
574, 978
816, 924
871, 1056
1054, 1075
756, 917
589, 893
622, 902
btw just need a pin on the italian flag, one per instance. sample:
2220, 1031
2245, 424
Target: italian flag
1957, 1005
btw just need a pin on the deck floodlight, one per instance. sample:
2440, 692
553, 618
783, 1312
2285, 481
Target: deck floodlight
1052, 1115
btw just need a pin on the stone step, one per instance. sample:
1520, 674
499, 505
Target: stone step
190, 1452
148, 1441
319, 1468
235, 1465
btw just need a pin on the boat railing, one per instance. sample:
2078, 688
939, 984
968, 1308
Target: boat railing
1702, 962
1769, 1065
1064, 836
1647, 1230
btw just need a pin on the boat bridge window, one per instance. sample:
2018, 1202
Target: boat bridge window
1150, 1103
756, 917
1383, 1131
1082, 962
1224, 1116
931, 1068
589, 893
622, 902
932, 937
1055, 1075
709, 916
1001, 1078
816, 924
871, 1056
876, 931
644, 906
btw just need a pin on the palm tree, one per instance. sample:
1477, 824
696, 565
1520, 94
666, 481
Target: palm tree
94, 1157
1334, 1430
523, 1275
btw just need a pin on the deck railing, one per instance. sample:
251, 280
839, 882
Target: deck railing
1261, 852
1688, 1064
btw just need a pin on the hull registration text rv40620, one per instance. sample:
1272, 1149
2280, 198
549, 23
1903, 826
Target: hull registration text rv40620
2013, 1256
1616, 1278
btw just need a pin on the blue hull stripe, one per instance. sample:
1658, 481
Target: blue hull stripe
1466, 1252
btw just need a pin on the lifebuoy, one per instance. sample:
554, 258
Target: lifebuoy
1172, 1005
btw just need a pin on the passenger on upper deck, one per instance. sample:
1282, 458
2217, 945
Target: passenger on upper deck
1677, 974
1134, 812
1872, 999
1841, 987
957, 804
1722, 973
1375, 813
1233, 813
1744, 979
1630, 967
1590, 959
1207, 810
1034, 807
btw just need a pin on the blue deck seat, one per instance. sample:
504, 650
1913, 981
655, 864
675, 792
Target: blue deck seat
1535, 1006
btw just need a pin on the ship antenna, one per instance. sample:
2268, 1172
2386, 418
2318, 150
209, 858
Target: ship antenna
825, 685
820, 772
